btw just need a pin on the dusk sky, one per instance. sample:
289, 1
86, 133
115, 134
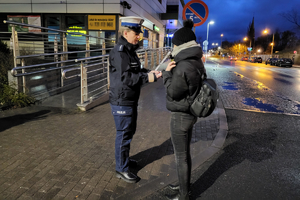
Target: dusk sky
232, 18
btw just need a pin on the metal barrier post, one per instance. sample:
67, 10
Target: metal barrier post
15, 44
157, 56
56, 50
83, 81
161, 55
152, 59
64, 56
108, 79
62, 69
103, 51
146, 60
87, 54
23, 77
16, 52
65, 46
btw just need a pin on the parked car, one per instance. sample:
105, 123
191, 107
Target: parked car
233, 58
268, 61
284, 62
256, 59
273, 61
244, 58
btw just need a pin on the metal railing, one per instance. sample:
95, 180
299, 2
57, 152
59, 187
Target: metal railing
92, 89
60, 69
40, 58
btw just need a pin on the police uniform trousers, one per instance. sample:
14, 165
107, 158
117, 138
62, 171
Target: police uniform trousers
125, 120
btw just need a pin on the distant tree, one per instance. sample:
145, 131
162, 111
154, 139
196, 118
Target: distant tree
263, 42
292, 16
226, 44
238, 49
251, 32
288, 40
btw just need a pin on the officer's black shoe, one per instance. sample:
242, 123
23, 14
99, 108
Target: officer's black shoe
174, 188
127, 176
177, 196
133, 163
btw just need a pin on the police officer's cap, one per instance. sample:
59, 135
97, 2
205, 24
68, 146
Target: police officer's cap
133, 23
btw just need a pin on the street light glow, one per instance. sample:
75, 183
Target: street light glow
211, 22
245, 38
272, 44
221, 35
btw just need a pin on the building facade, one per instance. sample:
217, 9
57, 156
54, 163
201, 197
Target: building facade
93, 17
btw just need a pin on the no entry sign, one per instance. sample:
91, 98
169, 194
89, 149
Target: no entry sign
195, 10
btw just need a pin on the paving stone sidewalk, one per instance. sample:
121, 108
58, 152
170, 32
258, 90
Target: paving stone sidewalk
56, 153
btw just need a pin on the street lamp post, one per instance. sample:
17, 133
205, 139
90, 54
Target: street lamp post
221, 40
245, 39
211, 22
272, 44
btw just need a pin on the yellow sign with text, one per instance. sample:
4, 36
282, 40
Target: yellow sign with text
102, 22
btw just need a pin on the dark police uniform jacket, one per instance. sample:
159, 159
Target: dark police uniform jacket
126, 75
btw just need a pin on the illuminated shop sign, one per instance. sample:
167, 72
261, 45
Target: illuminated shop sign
76, 31
75, 27
102, 22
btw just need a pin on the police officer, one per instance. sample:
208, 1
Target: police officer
126, 79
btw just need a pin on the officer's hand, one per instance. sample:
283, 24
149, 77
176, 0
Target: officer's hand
171, 65
158, 74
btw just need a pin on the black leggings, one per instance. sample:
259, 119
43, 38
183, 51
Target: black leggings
181, 133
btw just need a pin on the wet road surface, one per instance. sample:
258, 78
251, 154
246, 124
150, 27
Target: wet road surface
284, 81
257, 87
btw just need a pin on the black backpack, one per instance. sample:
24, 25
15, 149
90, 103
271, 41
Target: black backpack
206, 98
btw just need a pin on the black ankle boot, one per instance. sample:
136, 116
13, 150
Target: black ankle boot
177, 196
174, 188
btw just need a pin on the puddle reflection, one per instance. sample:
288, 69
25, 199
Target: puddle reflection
260, 105
230, 86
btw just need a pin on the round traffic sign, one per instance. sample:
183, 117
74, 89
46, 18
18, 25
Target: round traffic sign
195, 10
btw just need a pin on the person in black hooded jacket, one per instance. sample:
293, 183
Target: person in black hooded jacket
182, 81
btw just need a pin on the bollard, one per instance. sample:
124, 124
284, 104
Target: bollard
83, 81
87, 46
23, 77
146, 60
152, 59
